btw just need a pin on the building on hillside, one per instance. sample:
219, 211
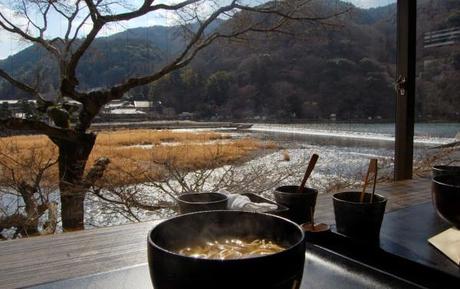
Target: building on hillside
118, 104
18, 107
143, 105
443, 37
14, 102
118, 107
438, 46
126, 111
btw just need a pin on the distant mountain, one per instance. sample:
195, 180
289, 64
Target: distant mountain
347, 69
167, 39
109, 60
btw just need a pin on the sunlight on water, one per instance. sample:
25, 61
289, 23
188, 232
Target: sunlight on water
425, 134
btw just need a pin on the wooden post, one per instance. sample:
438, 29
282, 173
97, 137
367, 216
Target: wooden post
405, 102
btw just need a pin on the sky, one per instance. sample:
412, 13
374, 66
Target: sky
11, 44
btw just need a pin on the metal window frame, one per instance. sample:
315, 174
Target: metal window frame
405, 98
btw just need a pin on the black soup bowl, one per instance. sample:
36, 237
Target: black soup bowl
171, 270
446, 198
445, 170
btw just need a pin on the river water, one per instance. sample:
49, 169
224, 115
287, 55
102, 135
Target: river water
381, 134
345, 148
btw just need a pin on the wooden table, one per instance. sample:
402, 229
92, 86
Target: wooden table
38, 260
404, 259
405, 233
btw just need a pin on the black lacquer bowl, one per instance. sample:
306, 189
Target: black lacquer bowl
445, 170
446, 198
171, 270
359, 221
301, 205
196, 202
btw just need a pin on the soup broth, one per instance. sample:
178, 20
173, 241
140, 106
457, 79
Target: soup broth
232, 249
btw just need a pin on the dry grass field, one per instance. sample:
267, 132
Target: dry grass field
136, 155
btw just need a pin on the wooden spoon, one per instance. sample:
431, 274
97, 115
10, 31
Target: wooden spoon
375, 182
311, 166
371, 170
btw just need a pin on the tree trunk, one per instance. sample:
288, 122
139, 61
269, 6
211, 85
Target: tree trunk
73, 156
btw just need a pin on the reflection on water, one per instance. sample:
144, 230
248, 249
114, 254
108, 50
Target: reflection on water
345, 149
443, 130
358, 134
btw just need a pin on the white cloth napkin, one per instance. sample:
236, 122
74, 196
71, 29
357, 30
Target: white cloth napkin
240, 202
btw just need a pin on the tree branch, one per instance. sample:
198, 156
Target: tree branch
146, 8
24, 87
69, 80
118, 90
10, 27
39, 127
197, 43
70, 18
289, 15
19, 84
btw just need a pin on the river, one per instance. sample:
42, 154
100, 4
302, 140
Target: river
360, 134
345, 148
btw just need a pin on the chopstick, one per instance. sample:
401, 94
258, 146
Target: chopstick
372, 169
311, 166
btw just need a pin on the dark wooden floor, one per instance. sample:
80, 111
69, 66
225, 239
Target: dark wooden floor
44, 259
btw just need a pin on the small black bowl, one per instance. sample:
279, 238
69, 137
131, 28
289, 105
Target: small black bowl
301, 205
445, 170
359, 221
446, 198
171, 270
196, 202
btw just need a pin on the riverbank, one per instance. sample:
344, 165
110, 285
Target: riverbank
155, 125
169, 124
139, 153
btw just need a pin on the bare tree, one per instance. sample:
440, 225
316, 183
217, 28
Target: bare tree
158, 196
26, 184
74, 139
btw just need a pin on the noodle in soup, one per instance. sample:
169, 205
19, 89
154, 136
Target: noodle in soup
232, 249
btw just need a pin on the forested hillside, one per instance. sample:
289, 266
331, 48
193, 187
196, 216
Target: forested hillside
346, 68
